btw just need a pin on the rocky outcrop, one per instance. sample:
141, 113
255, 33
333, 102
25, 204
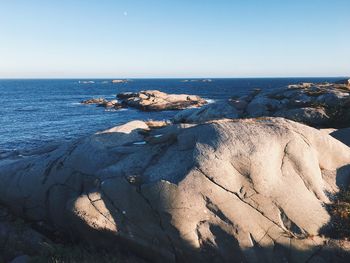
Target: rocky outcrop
342, 135
154, 100
118, 81
207, 112
97, 101
150, 100
318, 105
101, 102
344, 81
249, 190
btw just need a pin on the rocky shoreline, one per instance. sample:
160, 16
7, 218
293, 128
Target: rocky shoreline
231, 181
321, 105
317, 105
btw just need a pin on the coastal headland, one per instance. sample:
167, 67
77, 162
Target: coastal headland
257, 178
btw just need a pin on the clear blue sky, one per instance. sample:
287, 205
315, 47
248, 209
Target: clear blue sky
174, 38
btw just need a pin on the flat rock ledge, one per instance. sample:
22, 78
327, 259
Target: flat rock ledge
102, 102
149, 100
154, 100
317, 105
249, 190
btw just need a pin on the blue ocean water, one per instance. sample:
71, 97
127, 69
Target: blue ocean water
34, 112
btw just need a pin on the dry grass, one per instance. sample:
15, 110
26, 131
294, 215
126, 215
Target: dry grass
340, 211
80, 253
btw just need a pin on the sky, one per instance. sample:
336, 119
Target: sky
174, 38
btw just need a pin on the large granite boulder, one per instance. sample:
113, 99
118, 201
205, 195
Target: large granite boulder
261, 106
251, 190
207, 112
319, 105
154, 100
309, 115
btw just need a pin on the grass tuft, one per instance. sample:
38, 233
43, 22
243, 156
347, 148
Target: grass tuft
340, 212
78, 253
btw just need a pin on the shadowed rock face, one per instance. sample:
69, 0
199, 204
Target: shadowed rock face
154, 100
342, 135
344, 81
231, 191
318, 105
17, 238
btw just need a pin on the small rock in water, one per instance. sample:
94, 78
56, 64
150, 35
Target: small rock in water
101, 102
94, 101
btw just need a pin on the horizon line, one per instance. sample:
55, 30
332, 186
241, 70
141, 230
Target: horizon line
195, 77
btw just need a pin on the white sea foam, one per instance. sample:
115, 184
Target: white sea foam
210, 101
140, 143
112, 109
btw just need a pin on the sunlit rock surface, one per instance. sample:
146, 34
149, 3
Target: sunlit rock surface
155, 100
317, 105
249, 190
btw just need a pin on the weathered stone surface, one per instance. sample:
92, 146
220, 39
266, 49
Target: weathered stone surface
94, 101
239, 104
318, 105
261, 106
111, 104
157, 124
208, 112
312, 116
101, 102
228, 190
154, 100
343, 81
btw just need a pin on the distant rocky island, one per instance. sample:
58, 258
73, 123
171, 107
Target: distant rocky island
257, 178
197, 80
314, 104
114, 81
149, 100
117, 81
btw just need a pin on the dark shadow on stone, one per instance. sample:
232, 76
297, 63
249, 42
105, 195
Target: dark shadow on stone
343, 177
225, 247
338, 227
342, 135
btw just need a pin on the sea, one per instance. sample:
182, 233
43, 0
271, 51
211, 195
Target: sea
34, 112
